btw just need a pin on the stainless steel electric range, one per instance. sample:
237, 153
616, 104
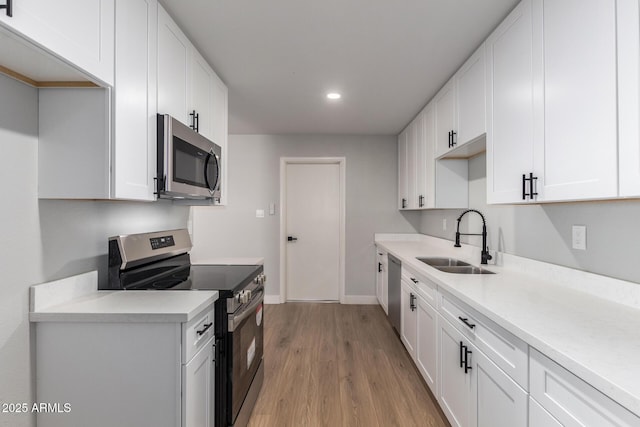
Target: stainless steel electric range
160, 261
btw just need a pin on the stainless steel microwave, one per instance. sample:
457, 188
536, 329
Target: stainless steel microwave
189, 165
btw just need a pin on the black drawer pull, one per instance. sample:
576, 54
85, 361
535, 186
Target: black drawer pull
205, 329
379, 267
9, 7
466, 322
414, 280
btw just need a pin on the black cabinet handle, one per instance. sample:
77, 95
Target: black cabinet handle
9, 7
531, 192
412, 298
453, 138
205, 329
420, 201
466, 322
291, 239
467, 353
379, 267
449, 139
195, 121
404, 203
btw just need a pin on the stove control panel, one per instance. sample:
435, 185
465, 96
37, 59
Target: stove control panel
162, 242
260, 279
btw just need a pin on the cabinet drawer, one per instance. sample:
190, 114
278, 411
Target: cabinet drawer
571, 400
196, 333
504, 349
426, 288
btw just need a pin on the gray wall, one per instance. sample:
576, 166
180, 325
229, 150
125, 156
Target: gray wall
44, 240
254, 182
543, 232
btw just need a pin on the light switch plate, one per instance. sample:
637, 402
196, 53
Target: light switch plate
579, 237
259, 213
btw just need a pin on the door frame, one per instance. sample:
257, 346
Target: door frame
284, 161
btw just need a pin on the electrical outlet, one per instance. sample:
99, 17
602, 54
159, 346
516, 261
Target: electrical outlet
579, 237
259, 213
444, 224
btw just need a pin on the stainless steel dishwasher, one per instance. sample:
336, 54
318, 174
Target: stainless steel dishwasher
394, 278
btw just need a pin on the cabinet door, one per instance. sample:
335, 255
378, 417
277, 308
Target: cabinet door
197, 388
402, 170
173, 72
425, 159
497, 401
201, 94
571, 400
454, 384
471, 100
580, 99
514, 104
629, 96
427, 343
408, 323
81, 32
379, 275
445, 105
412, 144
134, 145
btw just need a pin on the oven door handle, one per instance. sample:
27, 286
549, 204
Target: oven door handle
236, 319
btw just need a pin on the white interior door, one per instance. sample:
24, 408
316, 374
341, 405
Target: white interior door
313, 218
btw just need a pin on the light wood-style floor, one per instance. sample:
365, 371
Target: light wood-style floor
338, 365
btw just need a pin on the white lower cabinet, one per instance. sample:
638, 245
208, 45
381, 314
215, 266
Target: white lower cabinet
122, 373
198, 388
454, 392
381, 279
473, 390
426, 345
408, 313
570, 400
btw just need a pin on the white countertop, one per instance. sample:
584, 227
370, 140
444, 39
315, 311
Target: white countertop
76, 299
595, 338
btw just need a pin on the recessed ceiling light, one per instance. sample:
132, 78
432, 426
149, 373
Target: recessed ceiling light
334, 95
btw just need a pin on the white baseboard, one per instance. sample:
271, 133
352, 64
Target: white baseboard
272, 299
348, 299
361, 299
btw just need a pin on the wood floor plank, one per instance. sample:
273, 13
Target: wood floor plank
338, 365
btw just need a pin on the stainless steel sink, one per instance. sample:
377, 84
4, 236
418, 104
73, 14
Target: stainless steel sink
467, 269
443, 262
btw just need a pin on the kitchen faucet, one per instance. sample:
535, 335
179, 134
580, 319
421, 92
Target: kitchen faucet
485, 249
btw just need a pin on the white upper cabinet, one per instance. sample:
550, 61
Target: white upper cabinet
173, 68
562, 102
470, 98
514, 98
134, 97
201, 95
403, 195
80, 32
425, 177
580, 100
629, 96
412, 146
445, 108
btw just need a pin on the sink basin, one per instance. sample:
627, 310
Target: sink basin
466, 269
444, 262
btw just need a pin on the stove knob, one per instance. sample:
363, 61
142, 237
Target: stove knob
264, 279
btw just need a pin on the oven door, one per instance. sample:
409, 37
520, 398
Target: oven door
246, 344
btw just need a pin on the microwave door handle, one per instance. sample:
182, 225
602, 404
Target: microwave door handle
206, 169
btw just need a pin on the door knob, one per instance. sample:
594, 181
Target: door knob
291, 238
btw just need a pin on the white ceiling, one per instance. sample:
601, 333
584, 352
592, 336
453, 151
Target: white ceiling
279, 58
